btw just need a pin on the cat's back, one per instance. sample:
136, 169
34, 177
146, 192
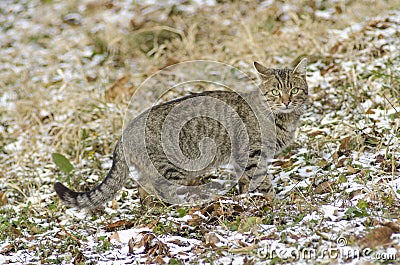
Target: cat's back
183, 122
208, 103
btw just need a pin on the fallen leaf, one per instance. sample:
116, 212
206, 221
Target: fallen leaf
153, 246
211, 239
377, 237
79, 259
324, 187
322, 163
178, 242
379, 24
335, 156
331, 67
379, 158
195, 220
114, 205
334, 49
115, 236
287, 164
8, 248
3, 198
131, 246
118, 224
152, 224
352, 170
370, 111
316, 133
345, 144
119, 89
170, 61
394, 226
243, 250
248, 223
160, 260
341, 162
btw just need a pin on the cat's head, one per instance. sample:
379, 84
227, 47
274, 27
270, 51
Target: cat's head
285, 90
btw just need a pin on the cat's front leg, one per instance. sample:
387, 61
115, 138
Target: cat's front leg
258, 181
266, 188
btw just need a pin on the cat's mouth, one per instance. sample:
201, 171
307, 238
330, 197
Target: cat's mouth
285, 108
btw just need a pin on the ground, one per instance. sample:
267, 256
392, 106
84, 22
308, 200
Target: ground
69, 69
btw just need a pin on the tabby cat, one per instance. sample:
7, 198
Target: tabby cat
280, 100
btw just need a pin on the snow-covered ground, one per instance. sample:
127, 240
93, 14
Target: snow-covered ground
338, 187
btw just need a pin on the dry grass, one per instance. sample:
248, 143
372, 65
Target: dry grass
66, 83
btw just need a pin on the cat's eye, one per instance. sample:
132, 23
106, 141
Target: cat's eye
294, 91
275, 92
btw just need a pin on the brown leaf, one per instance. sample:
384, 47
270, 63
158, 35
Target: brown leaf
195, 220
152, 224
379, 24
377, 237
194, 209
3, 198
79, 259
352, 170
131, 246
331, 67
316, 133
198, 250
283, 164
211, 239
341, 161
335, 156
115, 236
335, 47
344, 144
322, 163
242, 244
160, 260
287, 164
118, 224
380, 158
137, 22
324, 187
394, 226
170, 61
8, 248
119, 89
370, 111
153, 246
179, 242
114, 205
243, 250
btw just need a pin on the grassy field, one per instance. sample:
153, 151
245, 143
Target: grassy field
69, 68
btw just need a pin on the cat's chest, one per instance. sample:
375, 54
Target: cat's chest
291, 127
286, 124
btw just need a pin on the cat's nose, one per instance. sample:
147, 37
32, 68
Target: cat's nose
286, 102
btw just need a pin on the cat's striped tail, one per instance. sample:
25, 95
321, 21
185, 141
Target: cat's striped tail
104, 192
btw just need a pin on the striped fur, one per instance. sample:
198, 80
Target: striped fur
277, 87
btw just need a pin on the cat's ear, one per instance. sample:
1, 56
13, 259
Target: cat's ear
301, 67
262, 70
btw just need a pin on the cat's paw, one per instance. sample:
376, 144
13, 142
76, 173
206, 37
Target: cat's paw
267, 191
